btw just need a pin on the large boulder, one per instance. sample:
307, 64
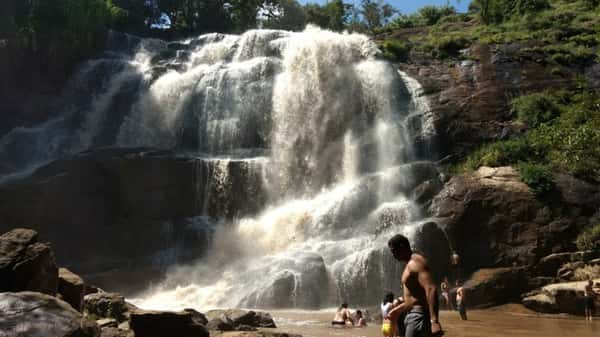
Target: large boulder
558, 298
490, 218
490, 287
26, 264
34, 314
239, 318
71, 288
107, 305
161, 323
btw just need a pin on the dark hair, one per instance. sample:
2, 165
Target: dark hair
358, 313
388, 298
344, 305
399, 242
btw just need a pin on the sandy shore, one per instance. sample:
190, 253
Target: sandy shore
507, 321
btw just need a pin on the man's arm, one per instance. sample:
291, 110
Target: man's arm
402, 307
426, 281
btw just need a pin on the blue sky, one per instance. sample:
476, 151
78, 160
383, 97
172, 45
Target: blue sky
409, 6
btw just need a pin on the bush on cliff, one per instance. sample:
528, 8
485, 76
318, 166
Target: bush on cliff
535, 109
589, 238
537, 177
564, 135
395, 50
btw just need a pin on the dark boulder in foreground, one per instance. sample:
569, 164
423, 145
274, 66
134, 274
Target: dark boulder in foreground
162, 323
26, 264
242, 318
35, 314
107, 305
71, 288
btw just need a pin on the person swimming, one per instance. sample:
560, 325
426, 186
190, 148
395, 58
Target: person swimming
342, 316
387, 326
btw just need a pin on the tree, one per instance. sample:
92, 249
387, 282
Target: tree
376, 13
286, 14
334, 15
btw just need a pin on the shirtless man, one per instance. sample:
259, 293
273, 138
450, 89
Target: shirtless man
342, 316
420, 298
589, 296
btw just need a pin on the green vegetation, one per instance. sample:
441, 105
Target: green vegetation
395, 50
564, 136
537, 177
555, 32
589, 238
536, 108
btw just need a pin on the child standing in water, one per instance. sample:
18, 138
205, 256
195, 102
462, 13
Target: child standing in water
387, 326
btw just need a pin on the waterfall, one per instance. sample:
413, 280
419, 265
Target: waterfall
318, 125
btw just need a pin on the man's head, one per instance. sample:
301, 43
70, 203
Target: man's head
400, 248
590, 282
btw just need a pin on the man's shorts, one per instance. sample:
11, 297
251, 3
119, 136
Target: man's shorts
417, 323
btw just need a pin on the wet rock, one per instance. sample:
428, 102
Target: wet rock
106, 305
71, 288
34, 314
298, 282
197, 317
431, 240
161, 323
423, 193
26, 264
220, 323
238, 318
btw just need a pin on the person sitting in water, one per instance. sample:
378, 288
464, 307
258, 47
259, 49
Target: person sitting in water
360, 320
387, 326
342, 316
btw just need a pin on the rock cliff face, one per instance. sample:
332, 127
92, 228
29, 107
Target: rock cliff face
124, 208
493, 220
470, 99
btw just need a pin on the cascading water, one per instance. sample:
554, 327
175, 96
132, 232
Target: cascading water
326, 134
